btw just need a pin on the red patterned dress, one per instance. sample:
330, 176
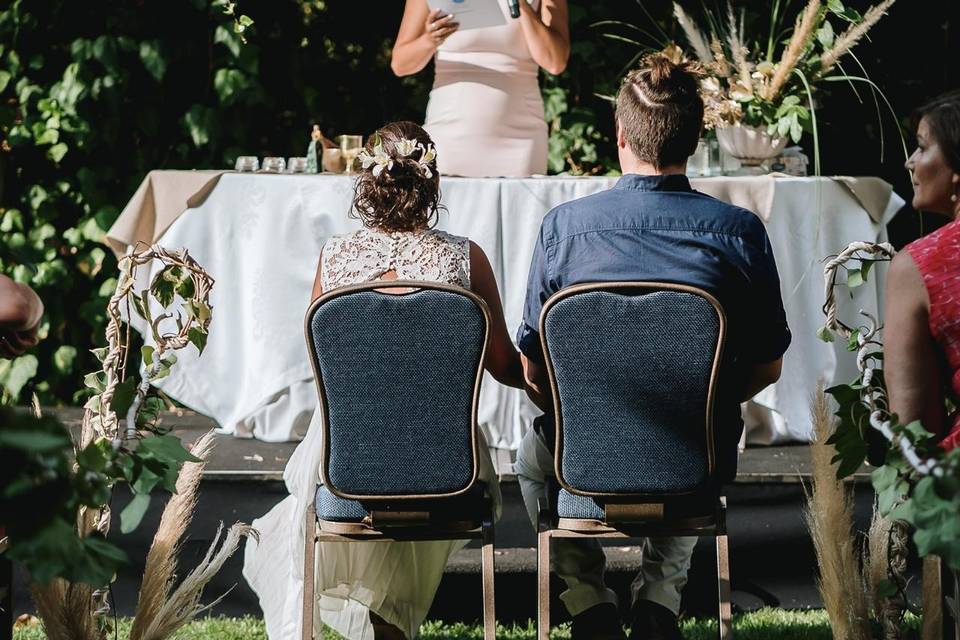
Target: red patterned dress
937, 257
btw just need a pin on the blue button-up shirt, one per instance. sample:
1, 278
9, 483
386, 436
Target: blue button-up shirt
657, 228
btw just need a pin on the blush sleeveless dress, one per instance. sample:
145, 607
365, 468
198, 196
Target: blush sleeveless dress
485, 112
937, 257
396, 580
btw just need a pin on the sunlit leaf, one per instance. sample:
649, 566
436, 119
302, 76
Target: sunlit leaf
133, 513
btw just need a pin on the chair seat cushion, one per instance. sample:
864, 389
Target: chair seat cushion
570, 505
473, 506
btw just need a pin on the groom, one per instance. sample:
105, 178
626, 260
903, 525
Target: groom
651, 226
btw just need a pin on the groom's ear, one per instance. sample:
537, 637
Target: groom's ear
621, 138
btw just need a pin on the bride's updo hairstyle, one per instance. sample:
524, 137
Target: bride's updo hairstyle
660, 111
403, 195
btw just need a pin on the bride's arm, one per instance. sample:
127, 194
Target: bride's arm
422, 31
547, 33
317, 280
503, 360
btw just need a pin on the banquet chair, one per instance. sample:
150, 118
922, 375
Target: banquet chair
398, 366
633, 370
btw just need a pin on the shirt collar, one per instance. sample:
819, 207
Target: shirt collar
668, 182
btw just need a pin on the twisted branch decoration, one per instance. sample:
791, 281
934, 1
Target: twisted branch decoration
99, 420
874, 397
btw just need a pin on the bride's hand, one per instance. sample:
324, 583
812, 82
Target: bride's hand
439, 27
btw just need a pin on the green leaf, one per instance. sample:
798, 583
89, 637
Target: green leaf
198, 337
185, 288
229, 84
825, 35
865, 267
198, 310
34, 441
94, 456
133, 513
904, 511
14, 374
796, 131
123, 397
224, 36
147, 481
916, 430
47, 136
153, 60
146, 352
167, 448
4, 79
201, 124
163, 288
825, 334
64, 357
57, 151
853, 342
887, 589
854, 278
883, 478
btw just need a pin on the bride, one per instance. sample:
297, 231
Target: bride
382, 590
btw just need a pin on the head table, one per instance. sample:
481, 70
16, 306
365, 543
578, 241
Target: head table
260, 235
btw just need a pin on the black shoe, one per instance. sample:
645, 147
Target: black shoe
652, 621
599, 622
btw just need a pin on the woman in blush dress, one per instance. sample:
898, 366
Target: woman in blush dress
383, 590
922, 334
486, 93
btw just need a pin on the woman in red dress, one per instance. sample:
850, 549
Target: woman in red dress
922, 335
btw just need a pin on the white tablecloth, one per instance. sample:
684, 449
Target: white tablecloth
260, 236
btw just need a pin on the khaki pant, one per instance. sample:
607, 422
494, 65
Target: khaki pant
581, 563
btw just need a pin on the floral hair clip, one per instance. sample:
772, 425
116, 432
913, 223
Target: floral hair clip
380, 160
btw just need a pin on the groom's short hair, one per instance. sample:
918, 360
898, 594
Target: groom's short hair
660, 111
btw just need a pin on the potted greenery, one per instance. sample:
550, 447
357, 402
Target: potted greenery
759, 93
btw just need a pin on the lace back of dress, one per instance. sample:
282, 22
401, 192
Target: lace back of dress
366, 255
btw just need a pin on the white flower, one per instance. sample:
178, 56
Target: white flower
405, 147
710, 85
379, 160
429, 153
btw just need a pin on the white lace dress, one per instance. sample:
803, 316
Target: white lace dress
396, 580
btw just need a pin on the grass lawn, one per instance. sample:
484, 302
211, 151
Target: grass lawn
766, 624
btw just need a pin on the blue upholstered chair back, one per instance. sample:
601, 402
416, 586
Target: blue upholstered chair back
633, 368
398, 377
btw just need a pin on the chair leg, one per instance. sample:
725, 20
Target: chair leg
309, 571
725, 626
489, 570
543, 572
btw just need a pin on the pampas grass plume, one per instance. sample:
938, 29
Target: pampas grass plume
849, 38
803, 33
829, 516
161, 561
694, 36
66, 609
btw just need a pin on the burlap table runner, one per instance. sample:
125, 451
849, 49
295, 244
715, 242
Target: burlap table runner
161, 198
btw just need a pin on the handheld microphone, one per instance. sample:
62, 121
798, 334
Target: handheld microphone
514, 8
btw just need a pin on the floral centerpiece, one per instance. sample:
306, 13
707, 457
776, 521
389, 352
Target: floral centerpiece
760, 93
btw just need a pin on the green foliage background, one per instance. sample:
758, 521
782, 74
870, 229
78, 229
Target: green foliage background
95, 94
